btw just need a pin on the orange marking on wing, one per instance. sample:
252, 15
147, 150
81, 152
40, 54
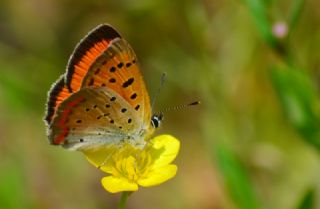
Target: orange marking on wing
58, 93
62, 121
121, 75
63, 94
82, 67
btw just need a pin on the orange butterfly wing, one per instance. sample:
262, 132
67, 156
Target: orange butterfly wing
118, 70
83, 56
86, 53
101, 59
95, 117
57, 94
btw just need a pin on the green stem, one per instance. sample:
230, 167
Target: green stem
123, 200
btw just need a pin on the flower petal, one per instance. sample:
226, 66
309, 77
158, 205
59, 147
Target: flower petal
101, 157
113, 184
164, 150
158, 176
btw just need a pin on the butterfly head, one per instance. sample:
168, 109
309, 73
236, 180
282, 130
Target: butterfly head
156, 120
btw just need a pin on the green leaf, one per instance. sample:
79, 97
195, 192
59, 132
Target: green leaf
299, 101
258, 12
295, 13
236, 178
307, 201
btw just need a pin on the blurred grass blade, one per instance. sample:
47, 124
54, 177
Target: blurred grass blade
307, 201
299, 101
236, 178
258, 12
295, 14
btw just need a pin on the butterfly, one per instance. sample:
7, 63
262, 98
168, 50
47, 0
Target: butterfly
102, 98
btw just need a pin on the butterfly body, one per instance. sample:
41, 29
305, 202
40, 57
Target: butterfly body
102, 98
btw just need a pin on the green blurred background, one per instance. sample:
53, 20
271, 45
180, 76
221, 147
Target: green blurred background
254, 64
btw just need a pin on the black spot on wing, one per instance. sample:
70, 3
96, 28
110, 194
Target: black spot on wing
112, 80
128, 82
97, 71
128, 64
133, 96
112, 69
120, 65
91, 82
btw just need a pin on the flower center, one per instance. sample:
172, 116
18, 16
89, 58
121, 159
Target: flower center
131, 163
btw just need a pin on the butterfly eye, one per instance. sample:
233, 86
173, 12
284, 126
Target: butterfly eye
156, 120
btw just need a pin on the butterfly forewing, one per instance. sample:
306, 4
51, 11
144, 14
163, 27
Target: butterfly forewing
118, 70
58, 93
86, 53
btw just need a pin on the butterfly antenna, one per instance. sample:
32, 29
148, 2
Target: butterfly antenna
162, 80
180, 107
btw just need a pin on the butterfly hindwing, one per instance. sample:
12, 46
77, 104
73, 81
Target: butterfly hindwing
91, 118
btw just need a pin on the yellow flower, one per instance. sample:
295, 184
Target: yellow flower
130, 166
